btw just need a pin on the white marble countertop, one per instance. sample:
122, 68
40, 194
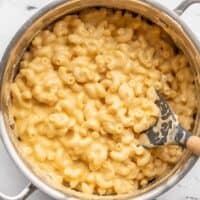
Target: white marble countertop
13, 13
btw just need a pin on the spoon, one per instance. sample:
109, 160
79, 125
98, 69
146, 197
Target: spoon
167, 130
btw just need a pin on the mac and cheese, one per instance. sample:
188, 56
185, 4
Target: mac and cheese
85, 92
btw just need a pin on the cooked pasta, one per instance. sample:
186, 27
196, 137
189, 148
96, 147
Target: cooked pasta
85, 92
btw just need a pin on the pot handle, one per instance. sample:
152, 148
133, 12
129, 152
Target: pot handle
25, 193
182, 7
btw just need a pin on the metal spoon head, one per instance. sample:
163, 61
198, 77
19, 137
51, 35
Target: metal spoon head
166, 128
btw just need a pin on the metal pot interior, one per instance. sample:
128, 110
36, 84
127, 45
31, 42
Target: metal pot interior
156, 13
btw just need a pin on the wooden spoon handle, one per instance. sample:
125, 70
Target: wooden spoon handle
193, 144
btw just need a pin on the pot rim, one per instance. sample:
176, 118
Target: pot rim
9, 145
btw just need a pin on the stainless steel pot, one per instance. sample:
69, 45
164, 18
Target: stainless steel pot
165, 18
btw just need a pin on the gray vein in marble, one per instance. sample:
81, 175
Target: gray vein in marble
29, 7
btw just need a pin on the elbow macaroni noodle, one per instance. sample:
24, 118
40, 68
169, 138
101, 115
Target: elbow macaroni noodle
85, 92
